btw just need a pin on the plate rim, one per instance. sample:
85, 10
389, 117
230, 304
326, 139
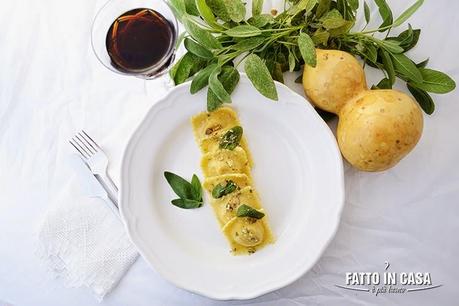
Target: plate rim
123, 197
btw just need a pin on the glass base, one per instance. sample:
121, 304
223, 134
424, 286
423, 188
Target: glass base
158, 87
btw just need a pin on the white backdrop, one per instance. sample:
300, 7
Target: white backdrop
52, 85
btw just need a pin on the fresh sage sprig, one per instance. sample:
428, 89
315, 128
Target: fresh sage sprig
230, 140
248, 211
221, 190
389, 55
190, 194
219, 38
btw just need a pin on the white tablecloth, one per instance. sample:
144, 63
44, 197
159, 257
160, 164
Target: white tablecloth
52, 85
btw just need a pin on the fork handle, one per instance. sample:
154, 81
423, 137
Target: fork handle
110, 188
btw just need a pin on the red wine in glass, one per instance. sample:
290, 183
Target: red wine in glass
140, 40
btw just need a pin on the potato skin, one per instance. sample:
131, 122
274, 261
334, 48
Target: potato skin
337, 78
378, 128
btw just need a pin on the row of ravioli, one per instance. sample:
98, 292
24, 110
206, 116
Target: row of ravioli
226, 164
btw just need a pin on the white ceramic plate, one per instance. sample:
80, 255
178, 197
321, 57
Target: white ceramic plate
298, 174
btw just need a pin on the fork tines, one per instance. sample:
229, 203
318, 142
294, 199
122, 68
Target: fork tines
84, 144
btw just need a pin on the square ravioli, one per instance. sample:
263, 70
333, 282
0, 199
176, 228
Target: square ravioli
208, 125
209, 128
225, 162
241, 180
247, 235
225, 207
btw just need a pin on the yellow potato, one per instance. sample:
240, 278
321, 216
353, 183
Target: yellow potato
378, 128
337, 78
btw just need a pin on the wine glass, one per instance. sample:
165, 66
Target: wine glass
122, 15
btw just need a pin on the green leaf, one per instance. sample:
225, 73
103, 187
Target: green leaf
236, 10
186, 67
404, 66
388, 66
260, 77
333, 20
407, 13
217, 87
344, 29
180, 186
282, 60
333, 23
174, 69
354, 4
243, 31
423, 64
248, 44
190, 7
186, 203
219, 9
201, 79
391, 46
310, 5
248, 211
275, 69
384, 84
366, 9
435, 81
199, 64
306, 5
223, 190
197, 49
409, 38
206, 13
372, 52
179, 8
196, 187
230, 140
213, 102
307, 49
320, 37
257, 7
322, 8
342, 7
228, 10
291, 62
260, 21
423, 98
200, 35
347, 8
385, 12
229, 77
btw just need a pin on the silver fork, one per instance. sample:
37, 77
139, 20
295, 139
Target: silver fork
97, 162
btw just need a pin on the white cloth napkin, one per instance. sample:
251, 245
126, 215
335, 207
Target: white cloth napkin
86, 245
82, 240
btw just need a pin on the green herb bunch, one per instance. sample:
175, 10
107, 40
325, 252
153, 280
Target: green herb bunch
218, 38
